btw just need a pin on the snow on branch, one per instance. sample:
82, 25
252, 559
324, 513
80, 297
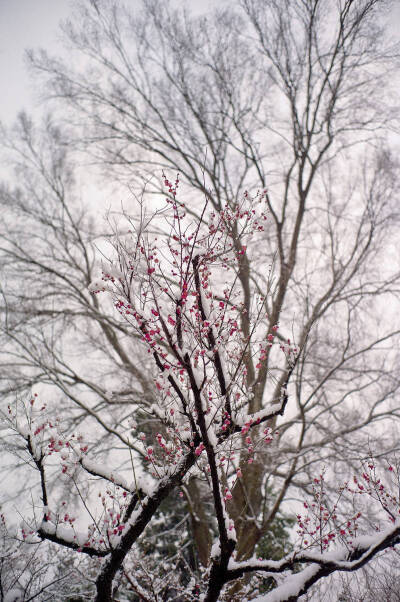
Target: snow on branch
178, 284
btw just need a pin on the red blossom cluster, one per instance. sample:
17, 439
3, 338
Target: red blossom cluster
321, 523
188, 302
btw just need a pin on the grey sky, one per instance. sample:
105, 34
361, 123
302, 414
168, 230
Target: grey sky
31, 24
34, 23
23, 24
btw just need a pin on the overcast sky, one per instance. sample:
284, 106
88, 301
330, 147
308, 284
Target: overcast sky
24, 24
31, 24
34, 23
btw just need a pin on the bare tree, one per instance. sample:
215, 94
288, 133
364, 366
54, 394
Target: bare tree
292, 99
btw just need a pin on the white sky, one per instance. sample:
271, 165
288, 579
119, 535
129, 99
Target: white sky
24, 24
32, 24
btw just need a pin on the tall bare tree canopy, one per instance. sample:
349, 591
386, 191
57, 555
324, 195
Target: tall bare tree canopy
290, 101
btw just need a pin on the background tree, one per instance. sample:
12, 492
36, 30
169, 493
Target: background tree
295, 101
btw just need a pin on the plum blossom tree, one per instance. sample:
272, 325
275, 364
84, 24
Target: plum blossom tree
296, 103
173, 281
